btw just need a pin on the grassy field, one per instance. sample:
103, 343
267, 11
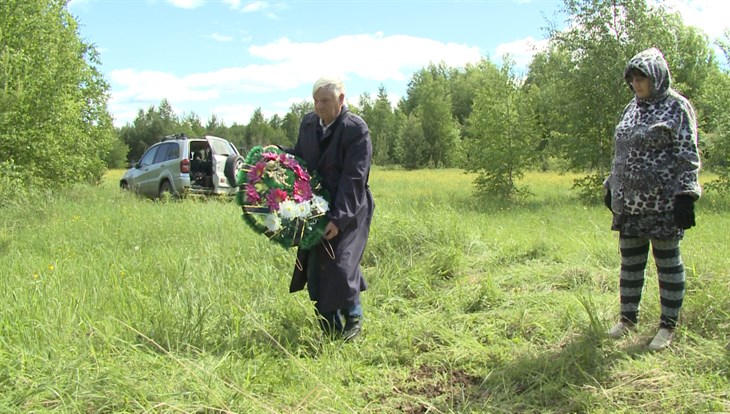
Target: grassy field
112, 303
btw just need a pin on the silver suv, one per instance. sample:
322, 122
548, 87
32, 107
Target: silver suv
181, 166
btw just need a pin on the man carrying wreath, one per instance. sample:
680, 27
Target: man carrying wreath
336, 144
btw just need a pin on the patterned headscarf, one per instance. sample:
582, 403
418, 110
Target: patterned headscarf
651, 63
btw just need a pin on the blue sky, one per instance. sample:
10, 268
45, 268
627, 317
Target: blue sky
229, 57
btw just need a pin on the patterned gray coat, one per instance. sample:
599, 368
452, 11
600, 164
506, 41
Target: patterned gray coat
656, 156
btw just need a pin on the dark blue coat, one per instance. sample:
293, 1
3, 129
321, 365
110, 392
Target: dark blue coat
342, 158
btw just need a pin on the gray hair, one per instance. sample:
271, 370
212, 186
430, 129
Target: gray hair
331, 84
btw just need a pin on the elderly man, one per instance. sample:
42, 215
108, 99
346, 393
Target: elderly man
336, 144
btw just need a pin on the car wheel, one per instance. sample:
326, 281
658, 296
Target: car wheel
124, 185
234, 163
166, 190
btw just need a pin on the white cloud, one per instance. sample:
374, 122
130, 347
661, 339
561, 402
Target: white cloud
708, 15
150, 86
282, 107
369, 57
230, 114
187, 4
521, 51
255, 6
221, 38
374, 57
235, 4
122, 114
78, 3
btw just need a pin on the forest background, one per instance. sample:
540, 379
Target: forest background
55, 128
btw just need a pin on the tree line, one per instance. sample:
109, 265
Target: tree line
485, 118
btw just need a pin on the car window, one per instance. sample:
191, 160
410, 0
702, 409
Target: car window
162, 153
148, 156
173, 151
221, 147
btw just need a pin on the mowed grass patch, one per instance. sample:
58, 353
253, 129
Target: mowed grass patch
113, 303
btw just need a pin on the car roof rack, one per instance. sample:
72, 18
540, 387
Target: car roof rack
174, 136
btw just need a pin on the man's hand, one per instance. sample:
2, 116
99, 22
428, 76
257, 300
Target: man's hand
331, 231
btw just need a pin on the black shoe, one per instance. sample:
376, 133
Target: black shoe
352, 329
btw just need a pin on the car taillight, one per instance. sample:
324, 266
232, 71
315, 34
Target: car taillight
185, 166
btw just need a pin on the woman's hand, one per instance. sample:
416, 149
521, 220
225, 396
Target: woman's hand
684, 211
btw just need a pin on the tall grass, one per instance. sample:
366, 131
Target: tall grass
113, 303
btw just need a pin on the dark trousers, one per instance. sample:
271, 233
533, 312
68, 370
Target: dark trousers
331, 321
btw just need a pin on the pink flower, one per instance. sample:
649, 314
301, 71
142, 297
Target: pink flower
300, 172
255, 173
275, 196
270, 156
252, 195
288, 161
302, 191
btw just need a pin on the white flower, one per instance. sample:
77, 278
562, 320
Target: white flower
273, 222
303, 210
319, 204
288, 209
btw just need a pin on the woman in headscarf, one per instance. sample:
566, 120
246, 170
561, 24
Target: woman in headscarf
652, 189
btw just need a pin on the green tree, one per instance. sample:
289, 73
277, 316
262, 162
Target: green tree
413, 140
216, 128
190, 125
429, 99
720, 150
464, 85
380, 118
591, 57
501, 135
547, 85
149, 127
415, 91
237, 135
258, 130
714, 119
54, 125
397, 148
117, 156
292, 119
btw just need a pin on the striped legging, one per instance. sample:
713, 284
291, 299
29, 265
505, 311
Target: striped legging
634, 254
